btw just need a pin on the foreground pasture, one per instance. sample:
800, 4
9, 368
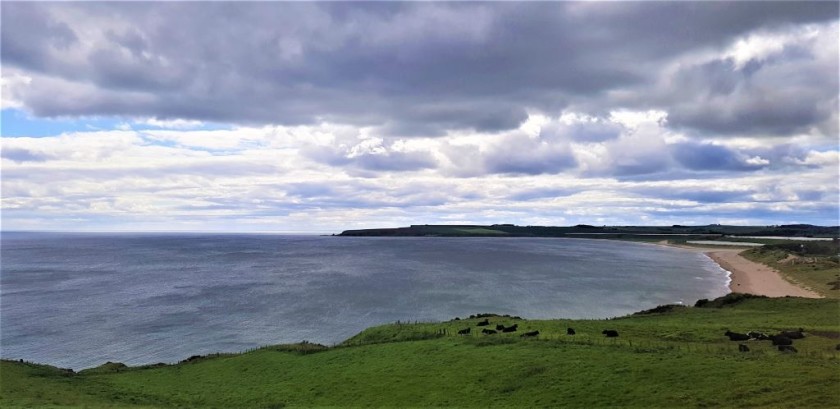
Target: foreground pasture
674, 358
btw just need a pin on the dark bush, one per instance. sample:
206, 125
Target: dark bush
661, 309
727, 300
303, 348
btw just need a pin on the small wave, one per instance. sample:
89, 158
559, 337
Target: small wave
719, 268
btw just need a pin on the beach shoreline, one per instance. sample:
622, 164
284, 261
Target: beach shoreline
747, 276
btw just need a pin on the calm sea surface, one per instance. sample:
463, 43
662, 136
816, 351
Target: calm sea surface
78, 300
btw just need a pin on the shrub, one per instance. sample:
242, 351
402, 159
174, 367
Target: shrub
302, 348
727, 300
662, 309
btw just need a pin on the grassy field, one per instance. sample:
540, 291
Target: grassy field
677, 358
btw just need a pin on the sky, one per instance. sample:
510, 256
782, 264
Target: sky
320, 117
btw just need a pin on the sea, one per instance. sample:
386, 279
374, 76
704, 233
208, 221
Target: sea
77, 300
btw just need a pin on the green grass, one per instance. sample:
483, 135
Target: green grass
673, 359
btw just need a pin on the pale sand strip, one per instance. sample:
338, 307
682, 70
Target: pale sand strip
749, 276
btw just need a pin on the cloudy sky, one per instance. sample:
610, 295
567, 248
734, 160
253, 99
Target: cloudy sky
325, 116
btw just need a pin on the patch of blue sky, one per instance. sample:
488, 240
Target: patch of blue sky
18, 123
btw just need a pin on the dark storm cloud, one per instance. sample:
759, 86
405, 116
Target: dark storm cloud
635, 168
29, 34
532, 160
773, 97
701, 195
410, 68
705, 156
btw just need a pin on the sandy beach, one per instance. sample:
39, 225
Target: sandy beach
748, 276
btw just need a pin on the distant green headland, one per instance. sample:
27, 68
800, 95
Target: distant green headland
670, 356
587, 231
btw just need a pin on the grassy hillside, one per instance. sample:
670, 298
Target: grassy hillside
675, 358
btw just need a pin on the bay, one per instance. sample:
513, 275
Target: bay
78, 300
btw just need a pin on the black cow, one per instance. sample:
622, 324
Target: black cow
488, 331
570, 331
500, 327
530, 334
511, 328
484, 323
793, 334
837, 347
610, 333
734, 336
787, 348
758, 335
743, 348
780, 340
465, 331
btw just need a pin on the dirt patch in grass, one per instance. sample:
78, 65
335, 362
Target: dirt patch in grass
826, 334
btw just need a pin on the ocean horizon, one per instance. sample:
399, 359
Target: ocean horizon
79, 299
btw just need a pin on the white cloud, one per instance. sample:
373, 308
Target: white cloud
11, 88
757, 160
826, 159
633, 119
172, 123
763, 45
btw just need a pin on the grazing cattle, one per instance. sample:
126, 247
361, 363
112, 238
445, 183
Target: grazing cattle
793, 334
530, 334
734, 336
743, 348
484, 323
610, 333
780, 340
488, 331
570, 331
758, 335
787, 348
837, 347
465, 331
511, 328
500, 327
